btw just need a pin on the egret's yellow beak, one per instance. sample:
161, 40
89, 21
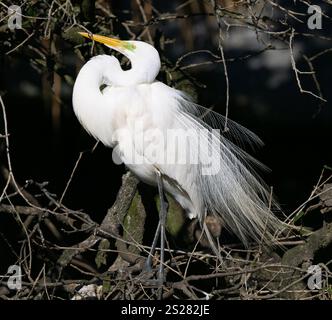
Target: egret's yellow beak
102, 39
113, 43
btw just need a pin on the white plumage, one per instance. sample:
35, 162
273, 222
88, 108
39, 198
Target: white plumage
134, 104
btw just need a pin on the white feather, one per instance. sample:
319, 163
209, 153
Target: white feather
121, 113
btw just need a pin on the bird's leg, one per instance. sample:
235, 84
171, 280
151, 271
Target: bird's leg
160, 231
162, 222
148, 263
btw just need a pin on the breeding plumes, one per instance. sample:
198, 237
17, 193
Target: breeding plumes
167, 140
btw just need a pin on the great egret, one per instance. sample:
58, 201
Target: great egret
134, 103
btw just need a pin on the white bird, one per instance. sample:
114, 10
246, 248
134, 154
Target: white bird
134, 103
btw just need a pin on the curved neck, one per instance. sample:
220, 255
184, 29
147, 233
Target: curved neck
106, 69
87, 97
95, 110
137, 74
89, 103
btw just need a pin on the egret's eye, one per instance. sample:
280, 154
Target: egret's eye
102, 87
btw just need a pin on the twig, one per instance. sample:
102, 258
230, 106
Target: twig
297, 72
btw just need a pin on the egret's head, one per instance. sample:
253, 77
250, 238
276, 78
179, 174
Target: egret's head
143, 56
